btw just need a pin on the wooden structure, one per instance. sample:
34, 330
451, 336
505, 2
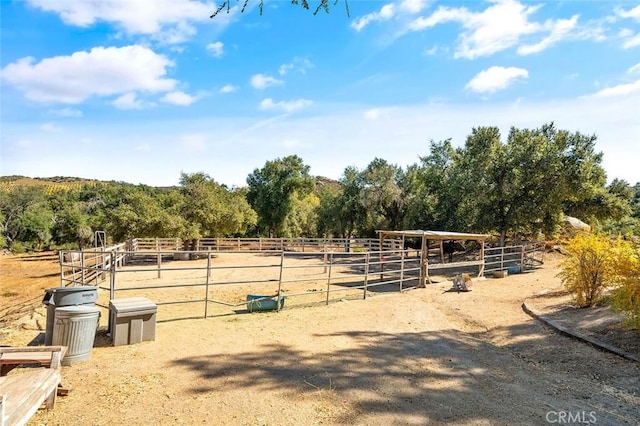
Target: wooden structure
21, 394
440, 237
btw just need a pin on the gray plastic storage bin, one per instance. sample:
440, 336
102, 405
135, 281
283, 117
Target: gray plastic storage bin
75, 327
132, 320
65, 296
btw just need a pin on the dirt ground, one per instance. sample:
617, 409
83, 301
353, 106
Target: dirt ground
426, 356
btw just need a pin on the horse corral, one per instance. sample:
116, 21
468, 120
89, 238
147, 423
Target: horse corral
429, 356
219, 277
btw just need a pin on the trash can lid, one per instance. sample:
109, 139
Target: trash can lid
78, 309
66, 296
71, 289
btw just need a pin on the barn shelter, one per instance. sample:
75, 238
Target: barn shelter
439, 237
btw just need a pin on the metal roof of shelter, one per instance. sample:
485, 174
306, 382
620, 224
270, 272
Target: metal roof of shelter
436, 235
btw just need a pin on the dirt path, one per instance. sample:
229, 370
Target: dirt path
422, 357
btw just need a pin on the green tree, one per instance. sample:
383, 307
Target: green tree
351, 212
523, 186
72, 224
273, 189
433, 191
329, 223
142, 214
210, 209
382, 195
621, 196
25, 215
634, 203
302, 221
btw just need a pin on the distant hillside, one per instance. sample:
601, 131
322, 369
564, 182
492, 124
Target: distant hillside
69, 181
24, 180
322, 181
52, 184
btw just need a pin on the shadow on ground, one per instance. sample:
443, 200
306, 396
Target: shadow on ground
422, 377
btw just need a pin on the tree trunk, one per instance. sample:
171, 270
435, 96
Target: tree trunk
503, 237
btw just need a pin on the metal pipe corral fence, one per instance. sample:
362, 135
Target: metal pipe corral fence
303, 273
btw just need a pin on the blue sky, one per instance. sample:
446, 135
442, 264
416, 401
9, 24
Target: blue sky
142, 90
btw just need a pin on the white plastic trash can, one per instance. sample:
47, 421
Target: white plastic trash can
75, 327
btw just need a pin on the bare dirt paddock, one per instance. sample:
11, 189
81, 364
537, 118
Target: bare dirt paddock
421, 357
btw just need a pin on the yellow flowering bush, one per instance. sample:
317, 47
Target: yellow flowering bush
626, 296
589, 268
595, 262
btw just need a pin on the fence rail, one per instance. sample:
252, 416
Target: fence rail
303, 278
216, 278
88, 267
347, 245
525, 256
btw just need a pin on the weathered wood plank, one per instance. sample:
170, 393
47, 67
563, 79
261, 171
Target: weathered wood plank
25, 392
48, 356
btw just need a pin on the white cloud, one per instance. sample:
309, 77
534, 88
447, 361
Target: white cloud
228, 88
179, 98
68, 112
217, 48
103, 71
302, 65
498, 27
559, 30
285, 106
631, 42
128, 101
394, 10
241, 144
625, 32
168, 19
262, 81
496, 78
631, 13
196, 142
432, 51
50, 127
376, 113
634, 69
619, 90
178, 34
413, 6
372, 114
386, 12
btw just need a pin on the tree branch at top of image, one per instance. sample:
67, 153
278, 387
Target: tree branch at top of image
322, 5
